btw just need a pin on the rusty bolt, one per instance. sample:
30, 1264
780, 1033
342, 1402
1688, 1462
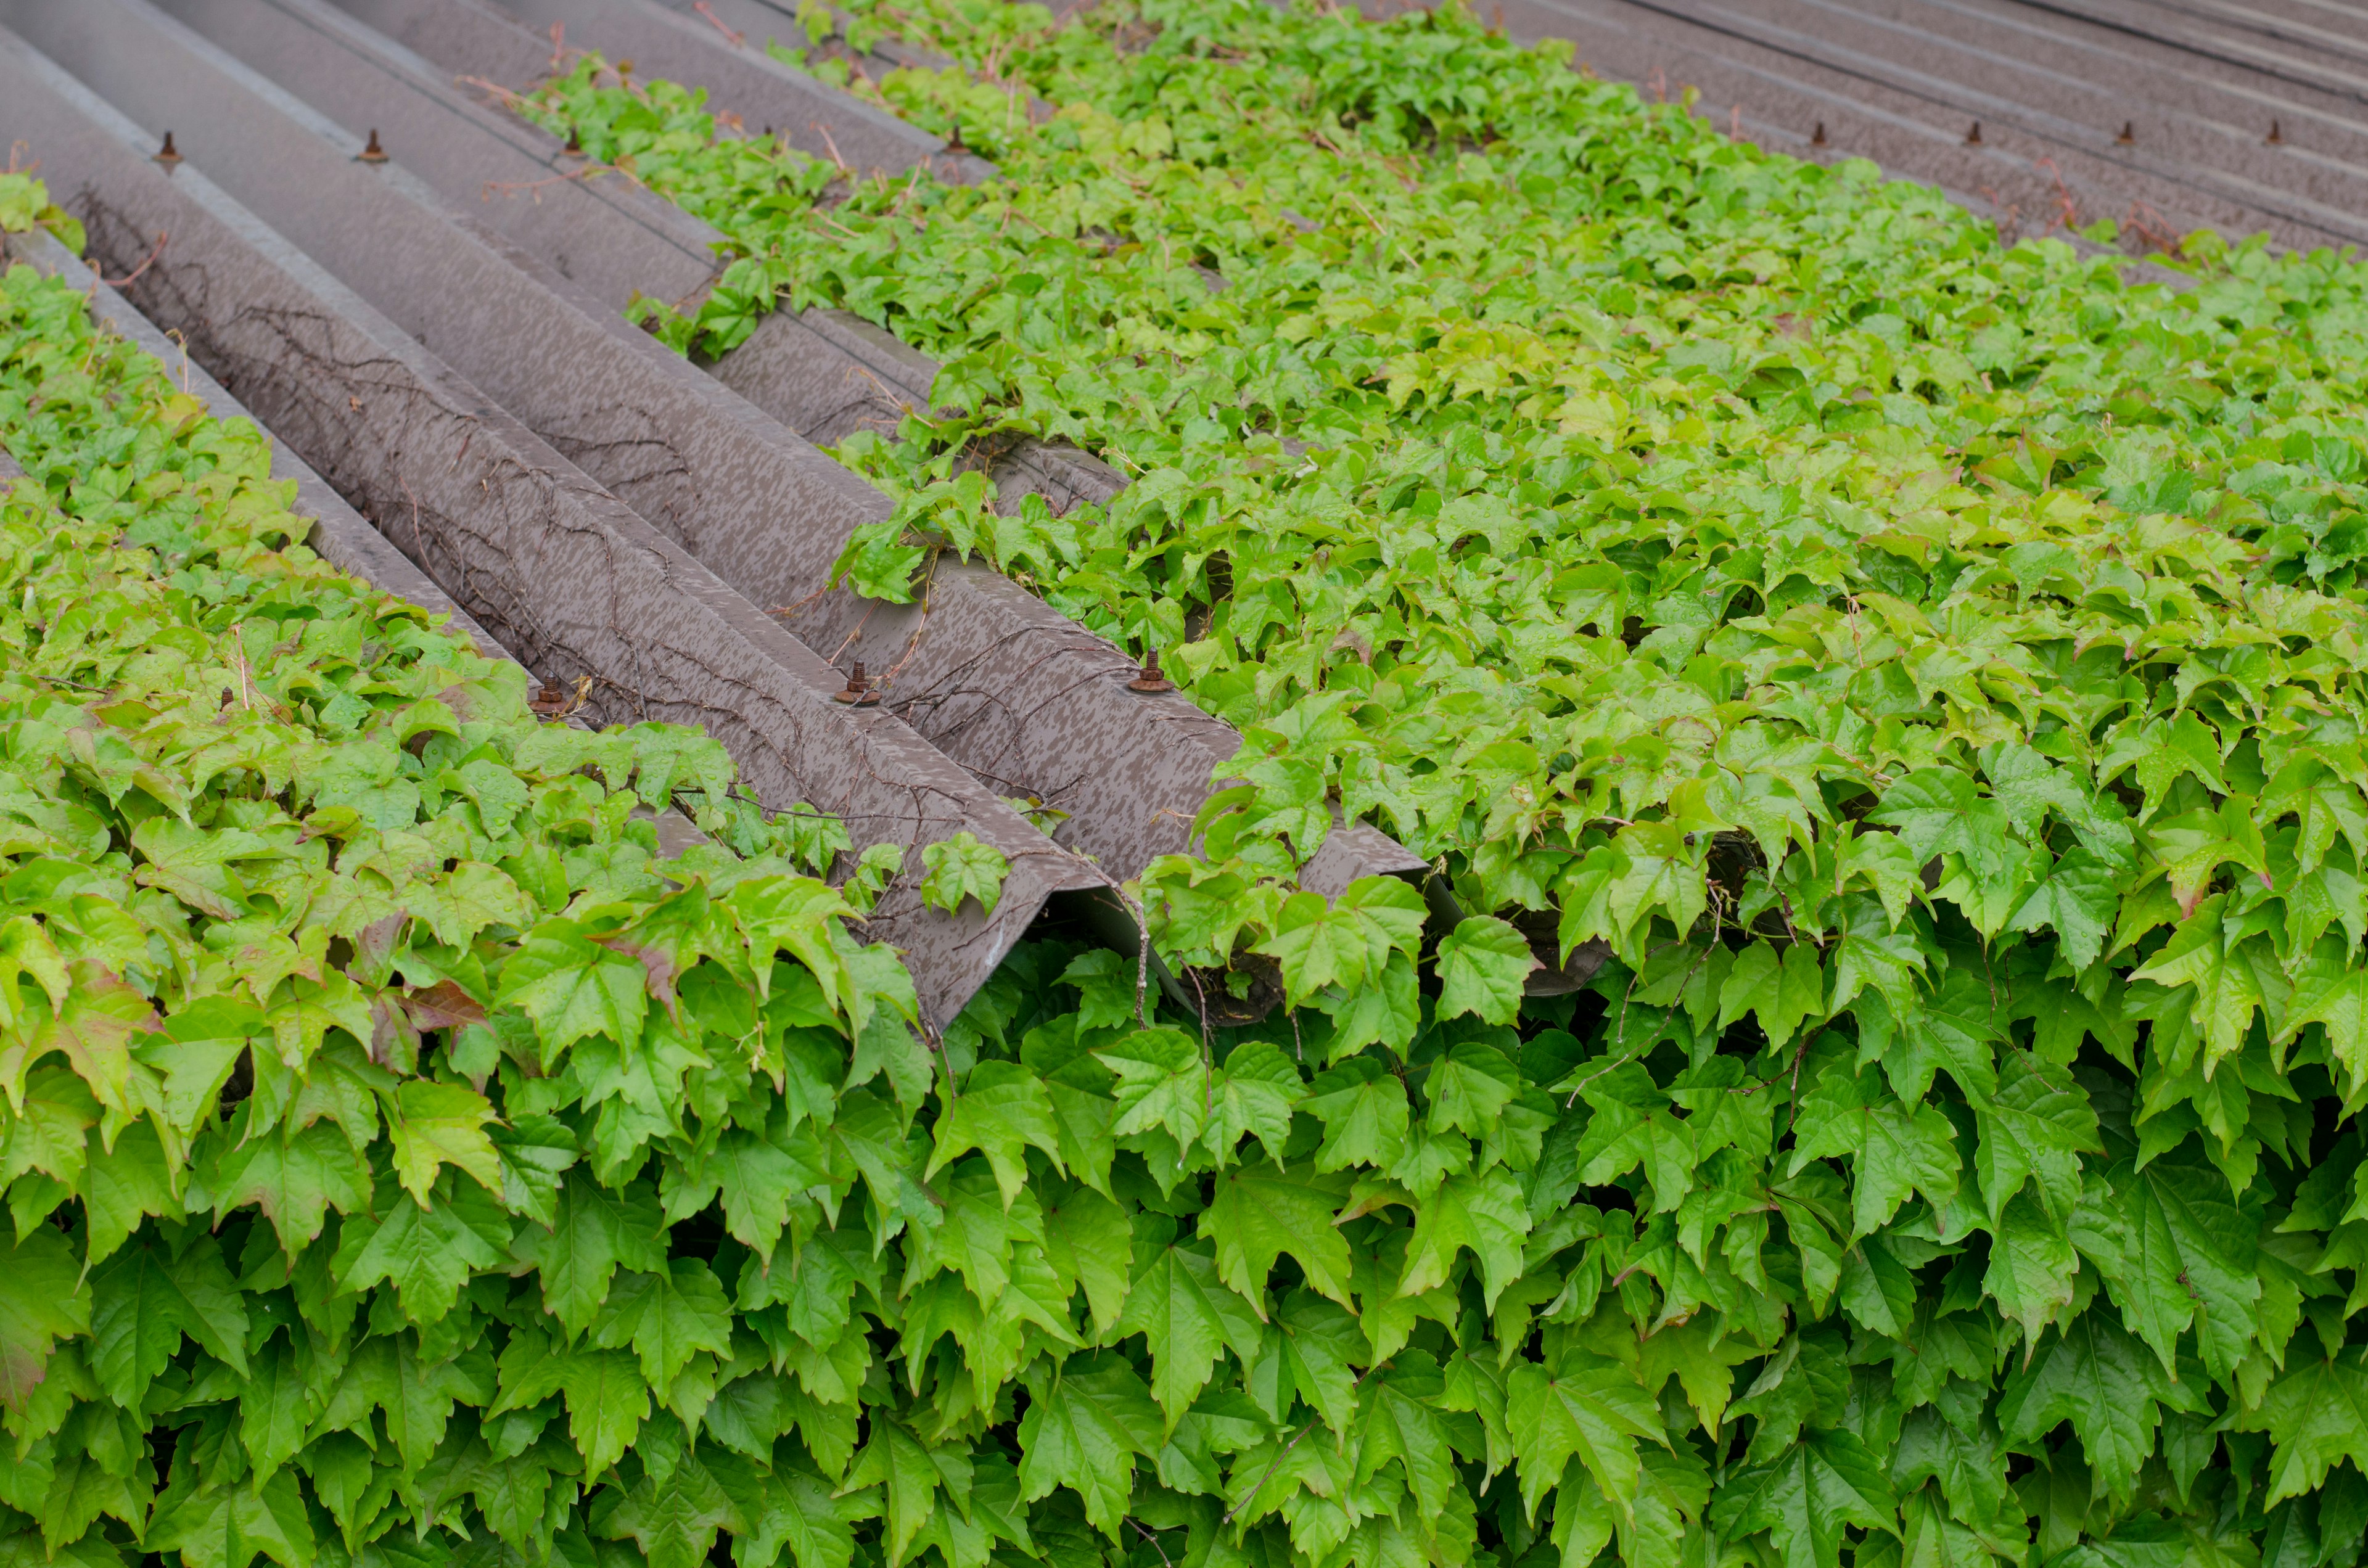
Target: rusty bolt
575, 148
2277, 137
373, 152
1974, 137
1149, 676
859, 692
168, 154
1817, 137
2129, 132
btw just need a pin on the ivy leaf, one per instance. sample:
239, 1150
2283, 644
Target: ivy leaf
2031, 1265
536, 1151
667, 1317
1255, 1093
1899, 1151
1386, 1010
1001, 1110
1483, 1210
1187, 1316
1088, 1243
1875, 1289
2193, 845
1940, 811
229, 1526
596, 1231
143, 1300
788, 1506
1483, 966
962, 867
2332, 993
426, 1253
1592, 1412
1260, 1213
1318, 943
2079, 901
572, 986
41, 1301
911, 1473
1162, 1082
1781, 992
2192, 1256
1956, 1028
432, 1125
1398, 1418
2204, 953
606, 1397
1363, 1109
122, 1185
294, 1179
1469, 1088
2034, 1129
2095, 1376
1805, 1499
194, 865
2316, 1415
674, 1517
1087, 1420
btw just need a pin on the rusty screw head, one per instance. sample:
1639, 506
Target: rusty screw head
2277, 136
373, 152
2129, 132
550, 702
168, 154
1817, 137
859, 692
1149, 676
1974, 137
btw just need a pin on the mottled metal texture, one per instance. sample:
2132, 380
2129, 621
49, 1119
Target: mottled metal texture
1030, 703
567, 576
743, 80
2053, 85
505, 173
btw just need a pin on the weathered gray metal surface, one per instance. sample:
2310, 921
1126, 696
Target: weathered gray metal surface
743, 80
512, 177
1030, 703
570, 578
1902, 82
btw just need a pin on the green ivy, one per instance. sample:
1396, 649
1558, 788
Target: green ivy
336, 992
1925, 674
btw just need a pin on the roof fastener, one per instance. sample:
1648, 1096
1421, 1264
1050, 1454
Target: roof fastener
2129, 132
1817, 137
373, 152
575, 148
1974, 137
2277, 137
168, 154
859, 692
1150, 678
